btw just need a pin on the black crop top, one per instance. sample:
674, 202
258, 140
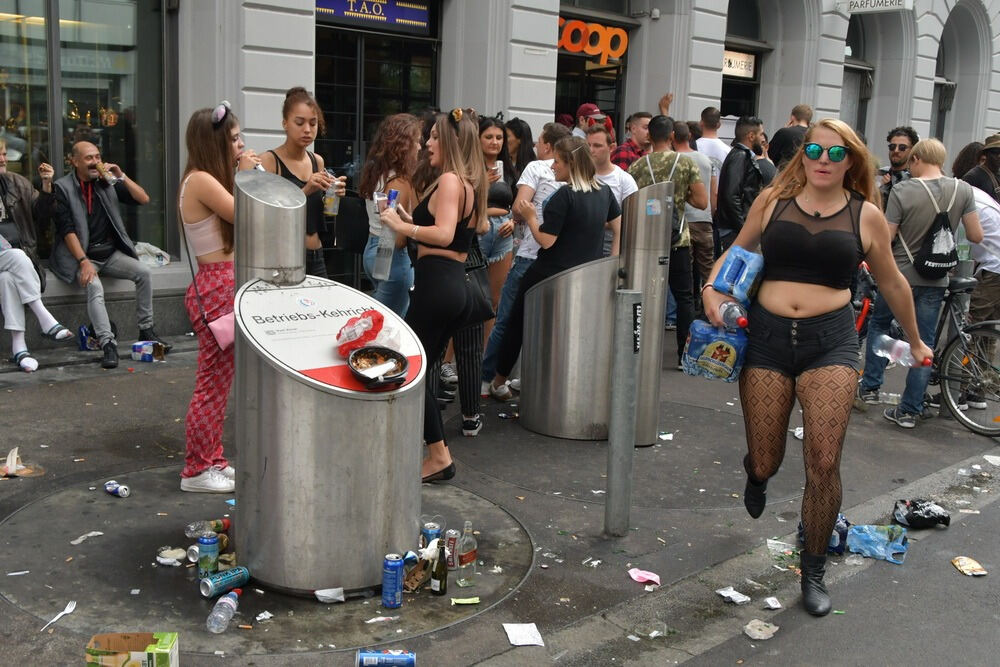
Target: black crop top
500, 195
315, 223
804, 248
462, 240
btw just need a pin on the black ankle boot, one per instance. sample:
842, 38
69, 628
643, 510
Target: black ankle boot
755, 493
814, 596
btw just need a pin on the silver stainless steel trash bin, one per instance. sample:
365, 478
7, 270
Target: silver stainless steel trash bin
328, 475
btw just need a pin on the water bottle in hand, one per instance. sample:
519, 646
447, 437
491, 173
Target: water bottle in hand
733, 315
386, 241
223, 611
895, 350
331, 200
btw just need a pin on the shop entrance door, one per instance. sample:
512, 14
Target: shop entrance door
739, 97
582, 80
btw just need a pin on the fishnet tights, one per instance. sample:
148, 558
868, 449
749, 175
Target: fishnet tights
825, 395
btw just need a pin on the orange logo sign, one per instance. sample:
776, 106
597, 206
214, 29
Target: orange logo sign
593, 39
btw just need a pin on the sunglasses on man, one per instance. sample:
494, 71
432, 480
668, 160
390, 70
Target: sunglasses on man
902, 148
815, 151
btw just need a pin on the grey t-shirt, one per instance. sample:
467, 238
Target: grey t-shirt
707, 170
911, 209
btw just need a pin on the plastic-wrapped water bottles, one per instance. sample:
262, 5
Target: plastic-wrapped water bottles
223, 611
894, 350
740, 274
714, 353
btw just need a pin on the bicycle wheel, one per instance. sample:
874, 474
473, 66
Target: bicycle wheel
969, 373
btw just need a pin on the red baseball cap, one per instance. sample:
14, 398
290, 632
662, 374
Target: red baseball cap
590, 110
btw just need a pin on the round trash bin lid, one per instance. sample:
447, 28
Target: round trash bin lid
295, 328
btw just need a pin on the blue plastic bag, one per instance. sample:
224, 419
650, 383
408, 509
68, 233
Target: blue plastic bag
882, 542
838, 538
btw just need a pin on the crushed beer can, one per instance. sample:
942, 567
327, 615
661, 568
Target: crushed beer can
148, 350
116, 489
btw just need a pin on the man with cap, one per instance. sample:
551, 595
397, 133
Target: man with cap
587, 115
984, 174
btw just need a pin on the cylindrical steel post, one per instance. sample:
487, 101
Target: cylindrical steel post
626, 347
270, 229
645, 257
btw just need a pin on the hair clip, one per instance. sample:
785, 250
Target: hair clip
219, 113
578, 148
499, 116
456, 115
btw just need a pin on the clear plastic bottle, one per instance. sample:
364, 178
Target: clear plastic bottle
354, 331
196, 529
894, 350
331, 201
223, 611
734, 315
468, 553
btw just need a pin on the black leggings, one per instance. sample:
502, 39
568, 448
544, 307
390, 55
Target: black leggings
437, 309
513, 335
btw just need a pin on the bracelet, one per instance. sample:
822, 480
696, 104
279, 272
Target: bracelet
82, 260
705, 287
415, 228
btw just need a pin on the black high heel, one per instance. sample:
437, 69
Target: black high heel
441, 475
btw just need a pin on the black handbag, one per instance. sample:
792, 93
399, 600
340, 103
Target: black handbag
477, 287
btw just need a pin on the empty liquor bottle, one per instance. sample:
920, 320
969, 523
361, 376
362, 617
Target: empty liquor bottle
439, 575
468, 552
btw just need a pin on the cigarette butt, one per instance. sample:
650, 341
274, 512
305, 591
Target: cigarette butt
245, 627
69, 559
161, 514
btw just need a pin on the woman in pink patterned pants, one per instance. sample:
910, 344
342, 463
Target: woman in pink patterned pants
206, 207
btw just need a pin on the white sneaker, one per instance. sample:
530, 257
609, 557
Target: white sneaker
228, 471
501, 393
448, 374
484, 389
212, 480
514, 384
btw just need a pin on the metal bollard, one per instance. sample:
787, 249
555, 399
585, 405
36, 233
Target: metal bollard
621, 429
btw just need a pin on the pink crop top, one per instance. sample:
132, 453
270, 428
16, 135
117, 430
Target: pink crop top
204, 236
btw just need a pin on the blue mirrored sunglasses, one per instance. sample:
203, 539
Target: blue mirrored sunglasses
815, 151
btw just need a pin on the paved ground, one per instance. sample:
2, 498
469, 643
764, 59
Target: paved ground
83, 425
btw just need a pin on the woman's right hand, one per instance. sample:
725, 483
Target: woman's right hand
319, 181
711, 301
248, 160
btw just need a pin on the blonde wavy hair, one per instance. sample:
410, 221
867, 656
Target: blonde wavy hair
860, 177
462, 153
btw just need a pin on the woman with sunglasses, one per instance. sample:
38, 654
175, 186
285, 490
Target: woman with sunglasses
443, 225
391, 162
814, 225
206, 208
302, 121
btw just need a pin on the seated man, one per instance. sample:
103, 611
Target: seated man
91, 240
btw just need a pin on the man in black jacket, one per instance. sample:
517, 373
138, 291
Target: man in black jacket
740, 180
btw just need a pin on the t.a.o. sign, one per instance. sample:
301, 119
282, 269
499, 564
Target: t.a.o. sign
593, 39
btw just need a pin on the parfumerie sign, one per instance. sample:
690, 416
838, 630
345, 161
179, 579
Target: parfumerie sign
738, 64
869, 6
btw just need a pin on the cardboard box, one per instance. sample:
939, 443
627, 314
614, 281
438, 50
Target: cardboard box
147, 350
134, 649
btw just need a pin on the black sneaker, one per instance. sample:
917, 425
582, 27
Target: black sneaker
472, 427
150, 334
110, 359
865, 397
900, 418
935, 402
975, 401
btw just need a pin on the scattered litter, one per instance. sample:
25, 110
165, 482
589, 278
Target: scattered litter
730, 403
258, 591
519, 497
594, 563
244, 626
751, 582
544, 566
221, 654
643, 576
549, 554
771, 603
79, 540
963, 502
966, 510
854, 559
264, 615
330, 595
597, 492
382, 619
661, 540
968, 566
651, 587
666, 436
18, 573
564, 599
496, 569
839, 612
976, 466
920, 513
995, 460
798, 432
730, 594
882, 542
46, 447
14, 467
758, 629
838, 538
779, 548
171, 556
135, 591
523, 634
79, 460
473, 600
651, 630
231, 502
68, 559
632, 637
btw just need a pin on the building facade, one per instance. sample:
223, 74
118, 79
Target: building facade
128, 73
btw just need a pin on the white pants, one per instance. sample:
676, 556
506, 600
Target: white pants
18, 285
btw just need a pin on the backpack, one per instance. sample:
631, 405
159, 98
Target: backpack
937, 254
677, 223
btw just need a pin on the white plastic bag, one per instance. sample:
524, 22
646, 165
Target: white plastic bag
150, 255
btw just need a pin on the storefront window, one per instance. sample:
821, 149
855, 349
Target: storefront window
610, 6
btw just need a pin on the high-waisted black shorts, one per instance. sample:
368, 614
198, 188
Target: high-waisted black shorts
793, 346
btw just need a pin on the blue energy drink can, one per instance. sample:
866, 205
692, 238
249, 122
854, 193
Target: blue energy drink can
221, 582
429, 532
393, 197
392, 581
208, 555
395, 658
116, 489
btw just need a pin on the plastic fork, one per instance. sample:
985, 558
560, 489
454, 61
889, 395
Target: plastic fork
68, 610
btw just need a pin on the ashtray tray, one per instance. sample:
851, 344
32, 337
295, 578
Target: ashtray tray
377, 367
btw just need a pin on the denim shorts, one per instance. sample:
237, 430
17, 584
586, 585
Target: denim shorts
793, 346
494, 246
